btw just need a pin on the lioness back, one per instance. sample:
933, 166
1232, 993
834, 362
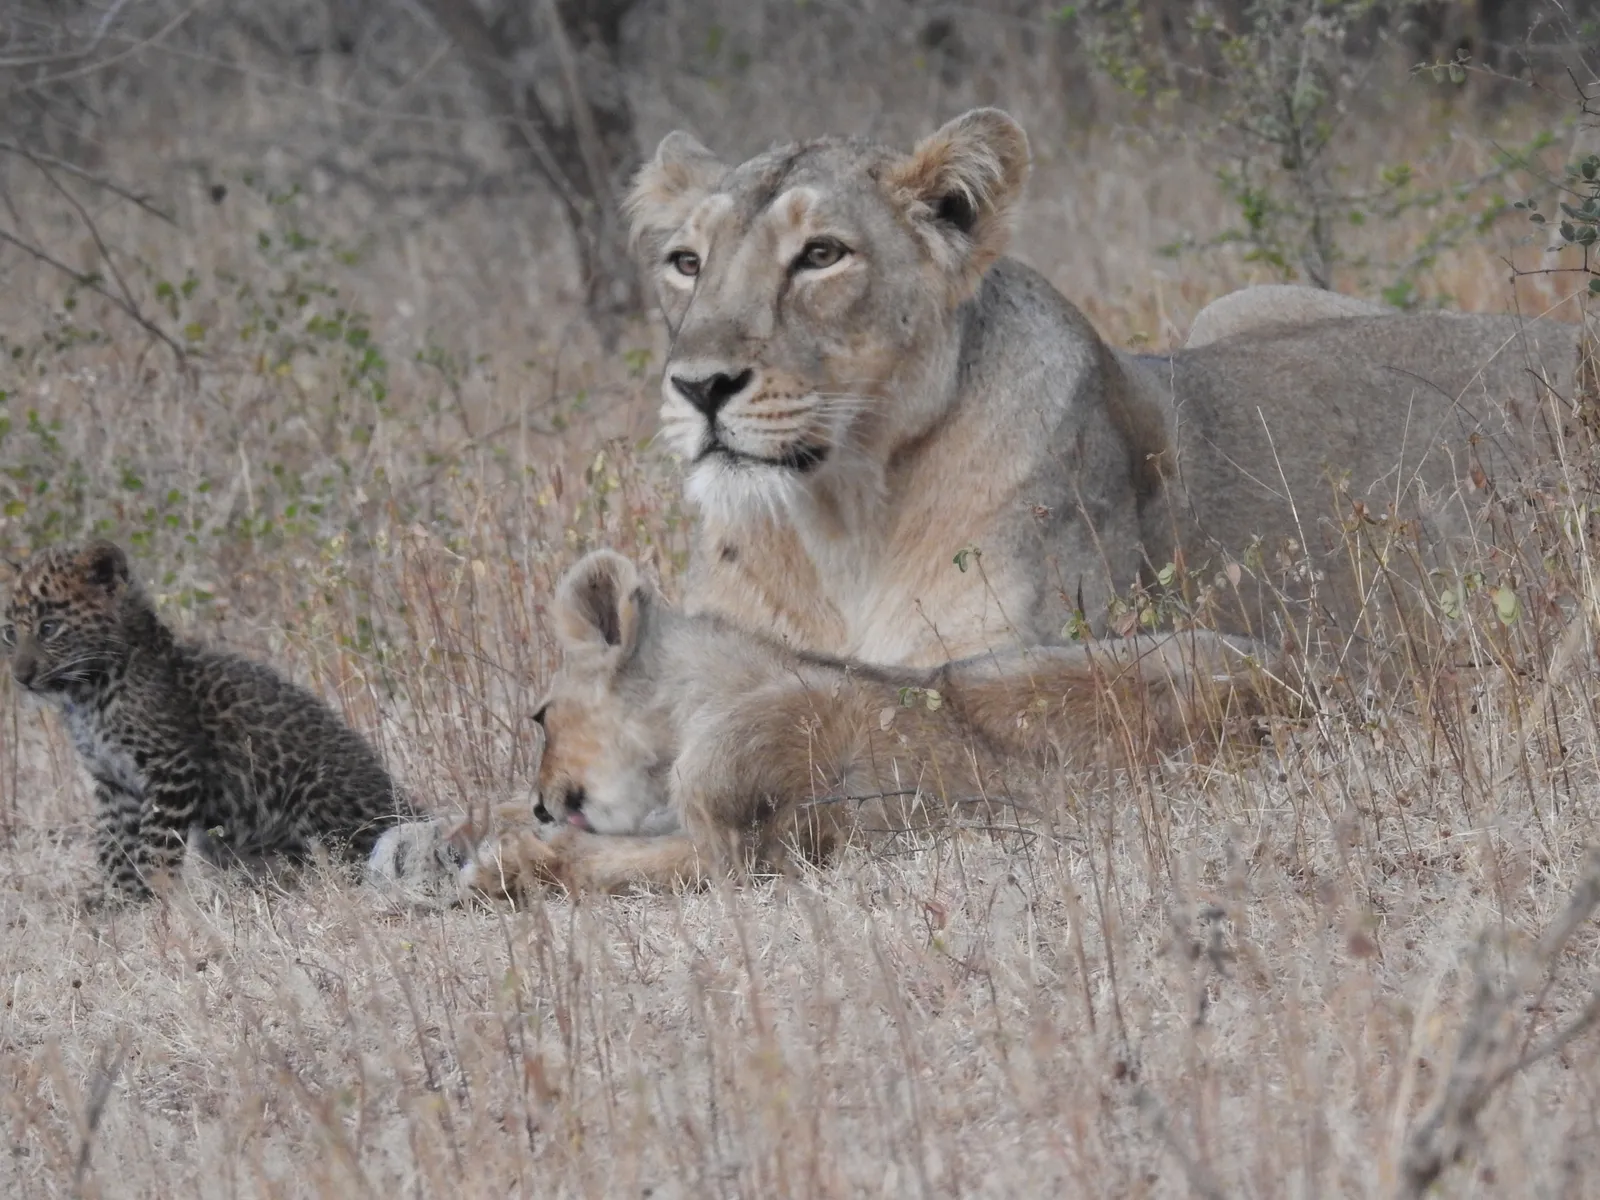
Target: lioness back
1415, 415
1267, 305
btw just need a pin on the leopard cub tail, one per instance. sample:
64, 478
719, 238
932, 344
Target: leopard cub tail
418, 863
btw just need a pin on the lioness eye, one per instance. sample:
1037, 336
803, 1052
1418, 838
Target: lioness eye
538, 717
685, 262
819, 253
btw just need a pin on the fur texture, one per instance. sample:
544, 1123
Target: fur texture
180, 739
1271, 304
863, 387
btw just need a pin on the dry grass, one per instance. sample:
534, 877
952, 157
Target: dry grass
1314, 971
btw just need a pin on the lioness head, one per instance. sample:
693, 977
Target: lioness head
608, 742
810, 294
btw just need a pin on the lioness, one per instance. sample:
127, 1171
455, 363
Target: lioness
720, 749
905, 448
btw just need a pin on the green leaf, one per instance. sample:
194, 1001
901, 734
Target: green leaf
1507, 605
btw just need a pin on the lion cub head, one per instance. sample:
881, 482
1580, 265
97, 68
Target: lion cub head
608, 736
810, 295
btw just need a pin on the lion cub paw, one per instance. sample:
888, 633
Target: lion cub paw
515, 863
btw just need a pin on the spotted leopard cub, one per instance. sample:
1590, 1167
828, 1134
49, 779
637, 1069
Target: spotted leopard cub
180, 738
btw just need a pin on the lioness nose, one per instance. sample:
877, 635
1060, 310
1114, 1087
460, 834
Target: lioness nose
711, 394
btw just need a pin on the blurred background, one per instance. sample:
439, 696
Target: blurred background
470, 152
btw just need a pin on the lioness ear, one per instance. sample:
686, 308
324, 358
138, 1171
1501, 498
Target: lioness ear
959, 186
599, 606
666, 189
105, 564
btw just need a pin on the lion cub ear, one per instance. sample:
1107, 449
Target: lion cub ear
667, 188
959, 186
599, 607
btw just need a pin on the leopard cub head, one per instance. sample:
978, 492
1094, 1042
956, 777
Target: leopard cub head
63, 624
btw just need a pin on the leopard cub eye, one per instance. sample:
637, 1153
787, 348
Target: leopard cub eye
8, 635
49, 630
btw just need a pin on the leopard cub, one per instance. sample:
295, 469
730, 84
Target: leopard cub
181, 739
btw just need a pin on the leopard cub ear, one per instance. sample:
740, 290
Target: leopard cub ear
105, 565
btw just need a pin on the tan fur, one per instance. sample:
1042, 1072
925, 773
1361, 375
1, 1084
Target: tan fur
746, 754
1252, 309
923, 396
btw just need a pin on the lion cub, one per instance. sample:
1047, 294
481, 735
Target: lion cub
715, 749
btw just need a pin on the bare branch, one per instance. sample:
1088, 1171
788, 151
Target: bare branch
100, 181
100, 64
463, 24
588, 136
94, 285
94, 232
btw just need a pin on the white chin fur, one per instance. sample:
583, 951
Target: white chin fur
726, 491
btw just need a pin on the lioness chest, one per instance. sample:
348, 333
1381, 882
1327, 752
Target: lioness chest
918, 595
